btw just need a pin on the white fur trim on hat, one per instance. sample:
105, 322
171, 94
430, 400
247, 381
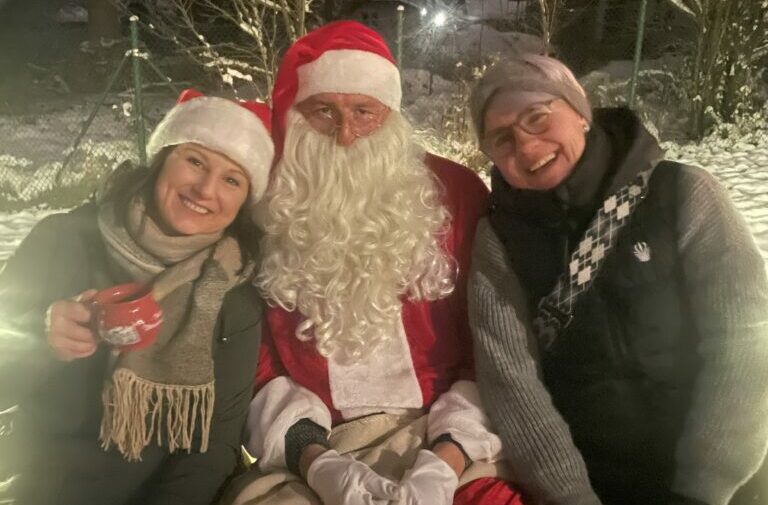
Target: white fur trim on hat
223, 126
351, 71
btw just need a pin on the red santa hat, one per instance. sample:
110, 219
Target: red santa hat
340, 57
239, 130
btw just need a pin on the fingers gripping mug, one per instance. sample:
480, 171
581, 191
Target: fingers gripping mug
127, 316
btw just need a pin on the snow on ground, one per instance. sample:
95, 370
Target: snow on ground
14, 226
34, 146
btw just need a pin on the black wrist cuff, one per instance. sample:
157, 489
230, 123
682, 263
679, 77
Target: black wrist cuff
446, 437
303, 433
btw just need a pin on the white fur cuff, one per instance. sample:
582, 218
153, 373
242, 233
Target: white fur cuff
460, 413
274, 409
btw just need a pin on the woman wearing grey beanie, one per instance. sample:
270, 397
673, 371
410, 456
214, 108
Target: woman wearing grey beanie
619, 305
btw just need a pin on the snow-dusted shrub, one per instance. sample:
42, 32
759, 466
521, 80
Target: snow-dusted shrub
747, 134
723, 71
660, 101
442, 119
464, 151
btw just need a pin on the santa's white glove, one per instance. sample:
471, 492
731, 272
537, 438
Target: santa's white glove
431, 481
341, 480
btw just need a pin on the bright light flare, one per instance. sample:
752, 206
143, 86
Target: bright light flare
439, 19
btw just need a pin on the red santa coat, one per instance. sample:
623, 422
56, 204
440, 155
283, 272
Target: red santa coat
293, 381
437, 332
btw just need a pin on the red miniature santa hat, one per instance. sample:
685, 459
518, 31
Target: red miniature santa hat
340, 57
239, 130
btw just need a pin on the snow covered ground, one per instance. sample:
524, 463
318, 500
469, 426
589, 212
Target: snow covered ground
34, 146
14, 226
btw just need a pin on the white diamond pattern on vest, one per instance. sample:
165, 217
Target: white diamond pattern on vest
556, 309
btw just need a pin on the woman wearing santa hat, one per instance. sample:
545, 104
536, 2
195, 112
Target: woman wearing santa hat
160, 424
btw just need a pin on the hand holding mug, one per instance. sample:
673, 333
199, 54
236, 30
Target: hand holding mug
69, 333
127, 316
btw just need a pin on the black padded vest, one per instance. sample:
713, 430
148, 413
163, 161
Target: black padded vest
621, 373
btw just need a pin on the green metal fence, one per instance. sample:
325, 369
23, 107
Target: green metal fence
56, 155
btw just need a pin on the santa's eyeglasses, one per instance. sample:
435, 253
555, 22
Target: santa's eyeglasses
329, 120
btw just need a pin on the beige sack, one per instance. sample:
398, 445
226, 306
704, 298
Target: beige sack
387, 443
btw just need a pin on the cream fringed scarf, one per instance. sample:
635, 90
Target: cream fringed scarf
165, 392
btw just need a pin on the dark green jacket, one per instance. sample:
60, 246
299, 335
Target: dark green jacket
56, 444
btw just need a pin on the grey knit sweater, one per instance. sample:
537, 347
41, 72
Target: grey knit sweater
726, 432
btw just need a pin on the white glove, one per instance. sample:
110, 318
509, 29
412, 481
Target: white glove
431, 481
341, 480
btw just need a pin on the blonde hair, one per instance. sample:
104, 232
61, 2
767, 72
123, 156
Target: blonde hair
348, 231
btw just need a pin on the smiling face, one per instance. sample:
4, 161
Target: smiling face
198, 191
347, 116
541, 160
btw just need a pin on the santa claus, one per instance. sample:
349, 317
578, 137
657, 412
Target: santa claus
365, 392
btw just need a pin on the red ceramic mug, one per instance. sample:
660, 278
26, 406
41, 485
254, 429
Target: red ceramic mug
127, 316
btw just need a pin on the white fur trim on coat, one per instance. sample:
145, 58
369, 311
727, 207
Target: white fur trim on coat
223, 126
351, 71
274, 409
383, 381
459, 412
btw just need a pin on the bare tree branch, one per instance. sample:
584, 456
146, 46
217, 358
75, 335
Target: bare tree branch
266, 27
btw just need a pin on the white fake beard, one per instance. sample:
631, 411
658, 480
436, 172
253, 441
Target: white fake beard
348, 230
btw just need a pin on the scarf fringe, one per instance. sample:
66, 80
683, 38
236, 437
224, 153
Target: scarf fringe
137, 410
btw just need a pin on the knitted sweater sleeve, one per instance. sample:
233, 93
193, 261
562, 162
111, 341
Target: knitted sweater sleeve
537, 443
726, 434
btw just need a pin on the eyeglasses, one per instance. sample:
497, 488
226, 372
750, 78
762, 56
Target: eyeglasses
361, 121
534, 120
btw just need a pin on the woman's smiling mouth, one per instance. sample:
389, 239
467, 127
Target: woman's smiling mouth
199, 209
542, 162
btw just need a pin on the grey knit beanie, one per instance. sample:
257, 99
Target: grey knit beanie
532, 73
